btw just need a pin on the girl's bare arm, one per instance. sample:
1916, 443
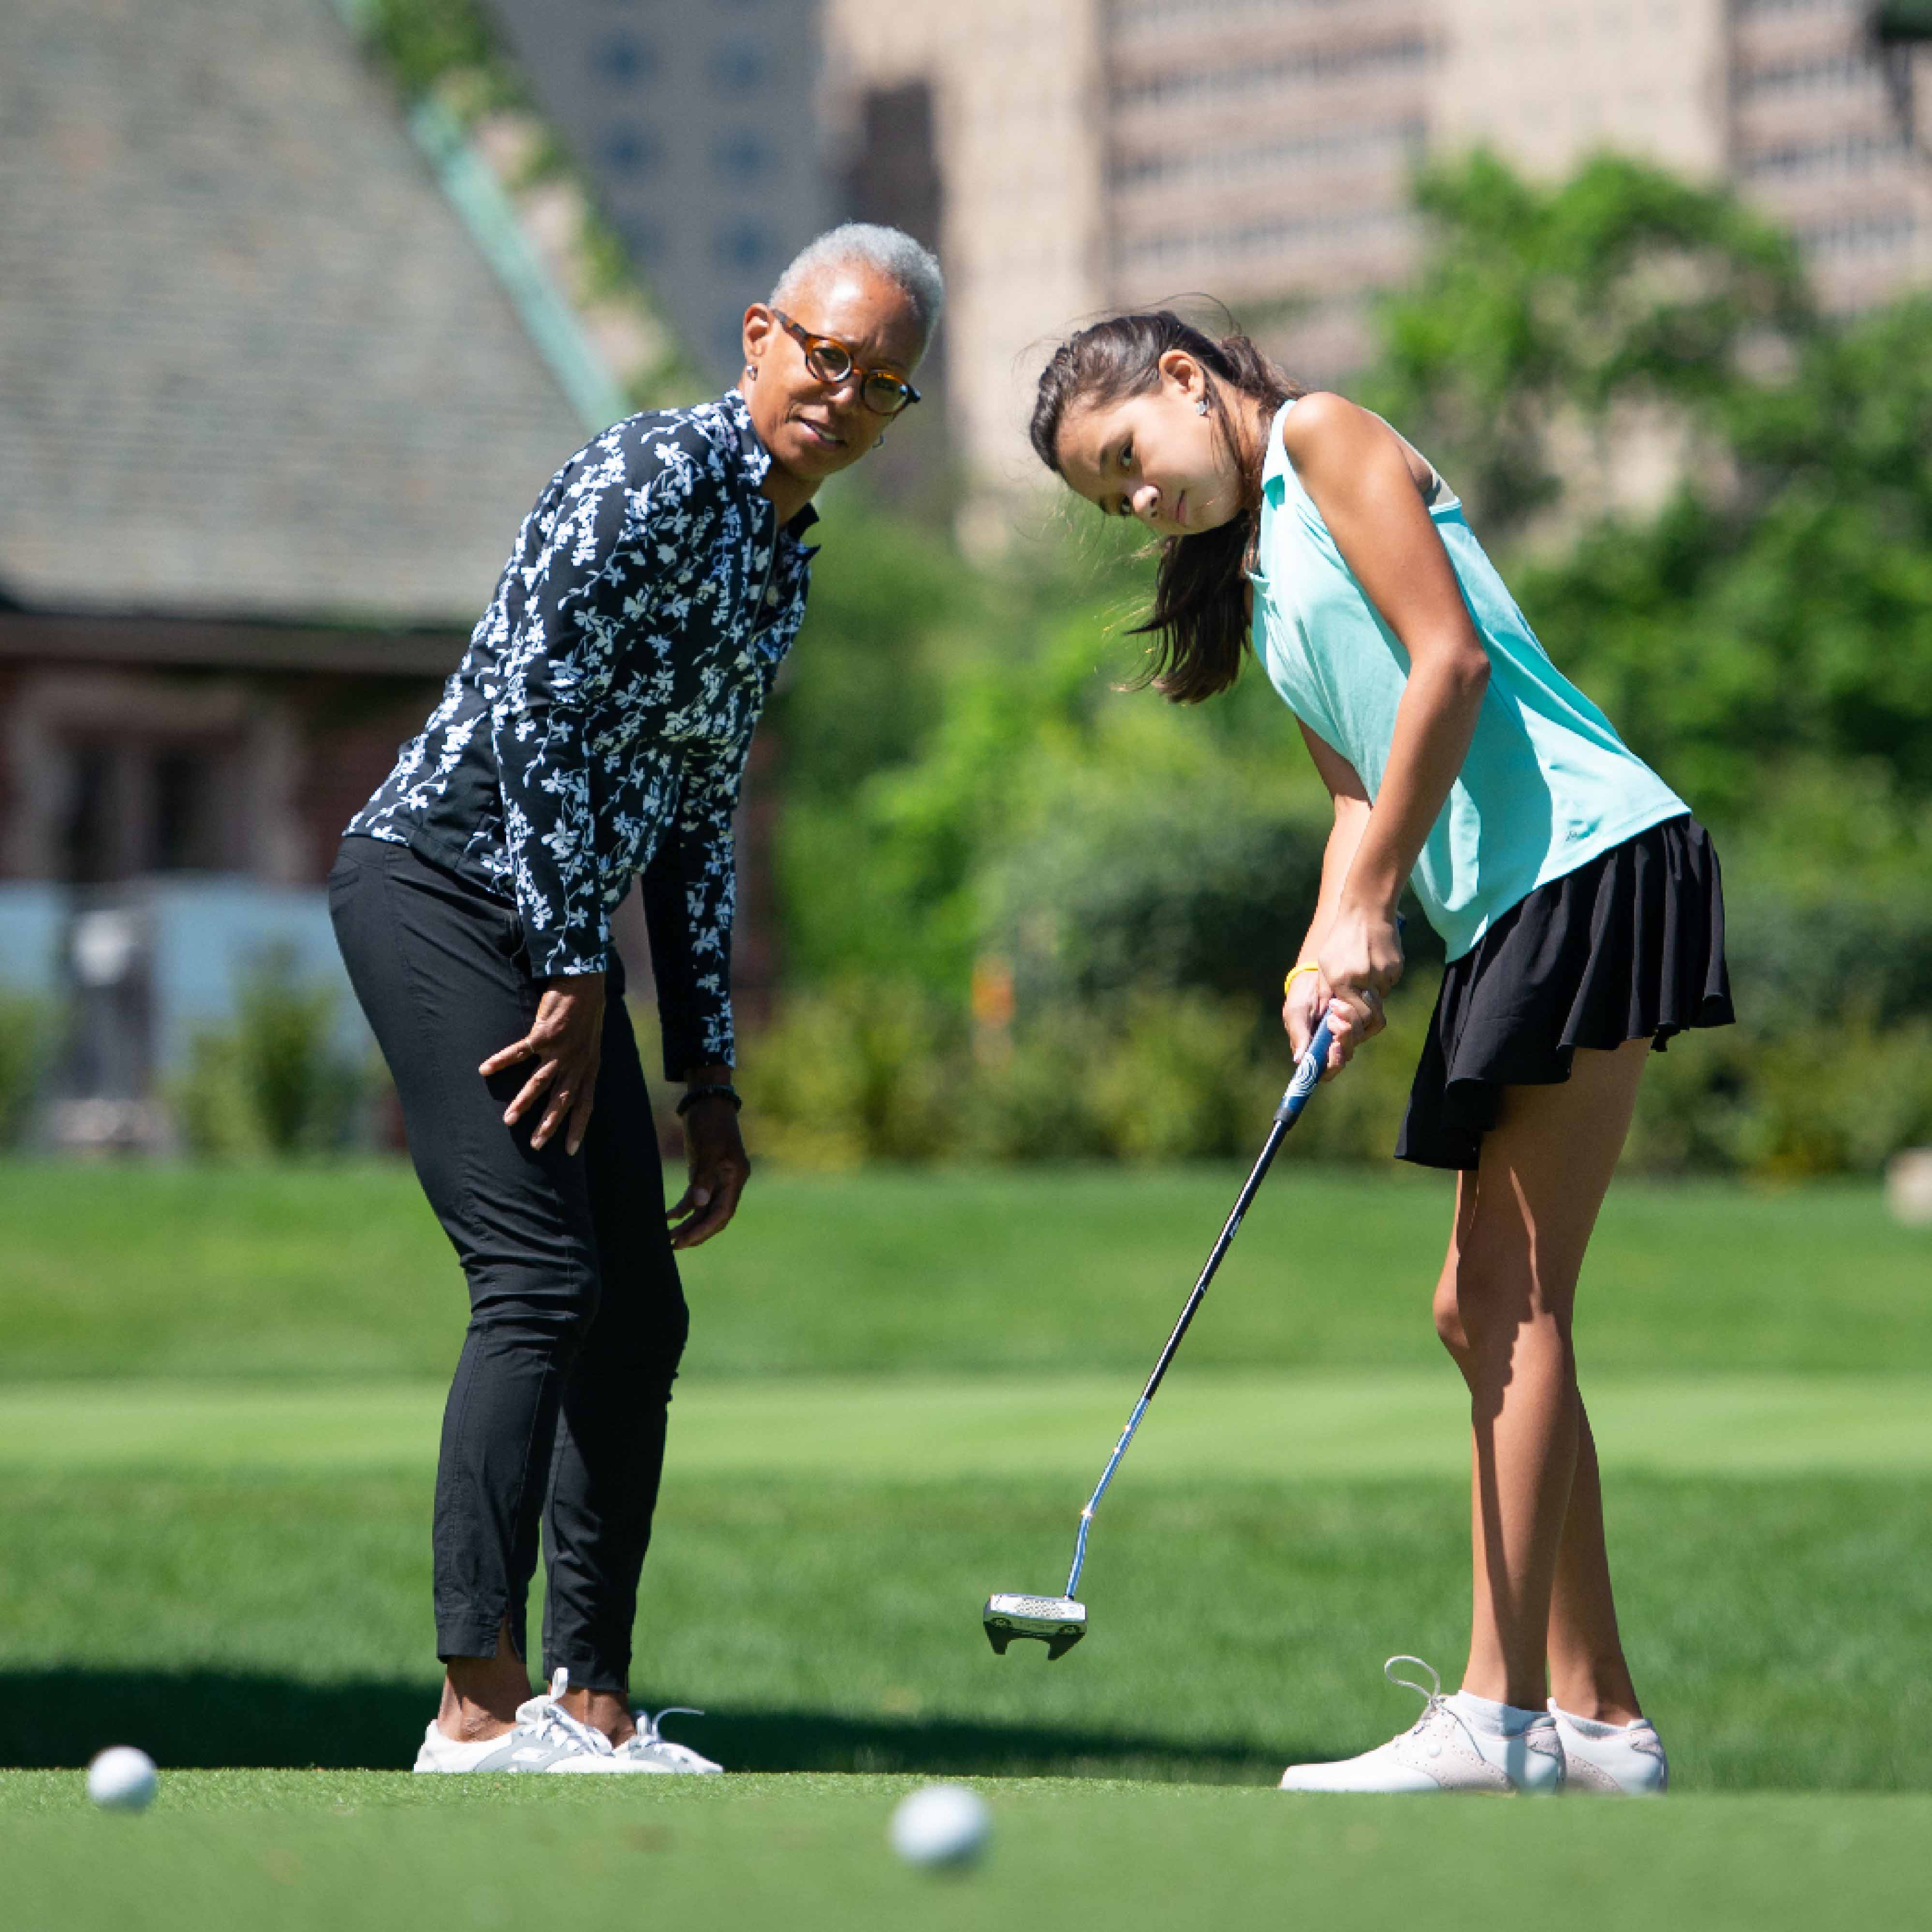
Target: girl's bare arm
1309, 994
1358, 473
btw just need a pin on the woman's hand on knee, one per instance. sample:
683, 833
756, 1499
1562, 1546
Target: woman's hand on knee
562, 1051
719, 1168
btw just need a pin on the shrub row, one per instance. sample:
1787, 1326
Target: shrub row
871, 1071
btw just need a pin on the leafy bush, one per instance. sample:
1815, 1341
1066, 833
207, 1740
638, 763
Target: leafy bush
876, 1072
1841, 1098
1031, 1097
1196, 886
1182, 1081
274, 1082
25, 1025
420, 41
861, 1072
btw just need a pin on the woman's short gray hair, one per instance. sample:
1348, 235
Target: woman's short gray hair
905, 262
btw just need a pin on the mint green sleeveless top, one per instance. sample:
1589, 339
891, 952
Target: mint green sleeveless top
1547, 786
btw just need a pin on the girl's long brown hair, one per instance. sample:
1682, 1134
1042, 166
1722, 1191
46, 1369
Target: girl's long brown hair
1199, 621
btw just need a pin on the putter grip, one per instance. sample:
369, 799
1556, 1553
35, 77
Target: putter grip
1307, 1075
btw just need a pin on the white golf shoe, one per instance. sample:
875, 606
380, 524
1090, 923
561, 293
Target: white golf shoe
1443, 1751
647, 1749
1612, 1760
546, 1738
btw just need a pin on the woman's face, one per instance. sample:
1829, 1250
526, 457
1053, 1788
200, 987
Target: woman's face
813, 428
1155, 455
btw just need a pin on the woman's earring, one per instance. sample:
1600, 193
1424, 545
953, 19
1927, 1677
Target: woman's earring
750, 372
879, 441
1200, 407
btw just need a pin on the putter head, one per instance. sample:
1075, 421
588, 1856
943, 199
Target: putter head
1058, 1622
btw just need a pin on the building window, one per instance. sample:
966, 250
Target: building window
1845, 153
1128, 14
738, 66
893, 176
626, 150
741, 247
1317, 63
622, 58
1871, 234
1826, 75
1278, 236
742, 156
138, 805
1217, 166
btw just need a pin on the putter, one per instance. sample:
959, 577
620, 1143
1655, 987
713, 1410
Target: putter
1060, 1622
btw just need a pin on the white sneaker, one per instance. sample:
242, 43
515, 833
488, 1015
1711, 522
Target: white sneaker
1612, 1760
647, 1749
546, 1738
1442, 1751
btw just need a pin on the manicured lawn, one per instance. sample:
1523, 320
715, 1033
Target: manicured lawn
343, 1852
340, 1273
1209, 1424
218, 1397
1776, 1624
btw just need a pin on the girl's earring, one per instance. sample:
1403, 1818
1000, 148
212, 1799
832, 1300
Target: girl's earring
750, 372
1200, 407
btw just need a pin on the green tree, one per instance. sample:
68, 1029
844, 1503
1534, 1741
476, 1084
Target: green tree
1536, 305
1791, 615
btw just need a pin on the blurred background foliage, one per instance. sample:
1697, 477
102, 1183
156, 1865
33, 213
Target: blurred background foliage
1028, 917
27, 1026
276, 1082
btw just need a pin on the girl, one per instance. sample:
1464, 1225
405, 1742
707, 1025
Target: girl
1582, 913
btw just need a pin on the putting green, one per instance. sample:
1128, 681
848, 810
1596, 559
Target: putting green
347, 1852
1378, 1424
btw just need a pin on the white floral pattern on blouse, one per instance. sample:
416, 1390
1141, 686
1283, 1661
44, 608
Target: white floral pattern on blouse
599, 724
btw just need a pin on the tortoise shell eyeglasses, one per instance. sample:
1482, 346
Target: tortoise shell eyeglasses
831, 361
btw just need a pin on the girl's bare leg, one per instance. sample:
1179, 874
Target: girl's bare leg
1503, 1307
1588, 1675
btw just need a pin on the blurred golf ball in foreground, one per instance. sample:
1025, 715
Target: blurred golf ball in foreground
943, 1825
122, 1779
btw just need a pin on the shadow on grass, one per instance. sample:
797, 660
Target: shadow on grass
215, 1718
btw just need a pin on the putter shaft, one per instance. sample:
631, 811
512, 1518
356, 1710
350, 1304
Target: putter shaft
1307, 1075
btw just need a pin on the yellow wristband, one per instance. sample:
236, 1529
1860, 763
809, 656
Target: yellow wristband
1307, 966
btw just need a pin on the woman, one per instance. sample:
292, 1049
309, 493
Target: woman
1583, 916
597, 729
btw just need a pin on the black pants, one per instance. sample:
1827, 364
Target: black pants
577, 1318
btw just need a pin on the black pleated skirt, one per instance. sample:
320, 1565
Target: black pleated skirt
1629, 946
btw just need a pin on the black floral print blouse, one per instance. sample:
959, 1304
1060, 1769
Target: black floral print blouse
599, 724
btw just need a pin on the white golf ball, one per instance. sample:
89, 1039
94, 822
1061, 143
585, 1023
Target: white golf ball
122, 1779
942, 1825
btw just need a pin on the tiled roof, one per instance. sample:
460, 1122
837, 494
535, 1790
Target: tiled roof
250, 360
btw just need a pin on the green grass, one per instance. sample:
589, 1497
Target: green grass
342, 1853
1776, 1624
340, 1273
217, 1402
1209, 1423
